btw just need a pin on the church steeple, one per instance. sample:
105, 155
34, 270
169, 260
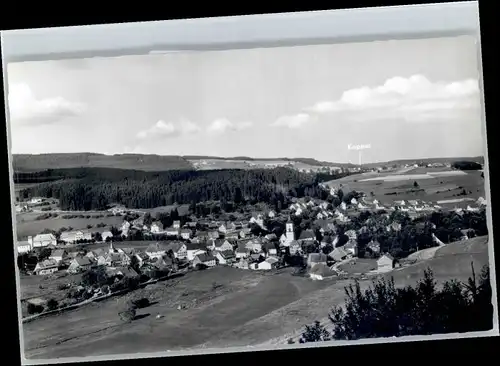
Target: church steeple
111, 247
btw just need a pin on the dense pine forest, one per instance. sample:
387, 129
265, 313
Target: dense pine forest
96, 188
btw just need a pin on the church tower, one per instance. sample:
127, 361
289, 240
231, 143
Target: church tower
290, 233
111, 247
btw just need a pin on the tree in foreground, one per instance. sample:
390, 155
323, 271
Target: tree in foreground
52, 304
383, 310
315, 333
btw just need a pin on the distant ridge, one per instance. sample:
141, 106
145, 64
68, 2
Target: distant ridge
32, 163
151, 162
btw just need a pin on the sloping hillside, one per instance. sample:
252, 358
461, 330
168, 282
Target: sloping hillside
32, 163
452, 261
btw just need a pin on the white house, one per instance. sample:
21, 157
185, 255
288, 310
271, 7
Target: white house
354, 201
204, 258
271, 214
225, 257
71, 237
107, 234
36, 200
46, 267
193, 249
351, 247
186, 234
321, 271
385, 263
343, 206
268, 264
177, 224
23, 247
179, 249
125, 226
157, 227
42, 240
223, 229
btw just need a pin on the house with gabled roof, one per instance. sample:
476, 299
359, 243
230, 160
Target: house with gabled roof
315, 258
351, 247
80, 264
338, 254
307, 235
205, 258
193, 249
221, 245
162, 263
42, 240
178, 248
58, 255
268, 264
385, 263
242, 251
45, 267
142, 258
23, 247
245, 232
225, 257
213, 235
320, 272
269, 248
156, 250
254, 245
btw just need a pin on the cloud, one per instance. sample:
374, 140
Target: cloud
293, 121
162, 129
24, 107
414, 98
222, 125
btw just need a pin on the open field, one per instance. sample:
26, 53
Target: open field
242, 297
249, 308
27, 225
359, 266
429, 189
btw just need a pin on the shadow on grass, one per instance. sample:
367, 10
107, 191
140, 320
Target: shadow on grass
141, 316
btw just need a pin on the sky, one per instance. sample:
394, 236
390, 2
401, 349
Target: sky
405, 98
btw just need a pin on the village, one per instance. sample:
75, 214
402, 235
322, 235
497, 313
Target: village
244, 242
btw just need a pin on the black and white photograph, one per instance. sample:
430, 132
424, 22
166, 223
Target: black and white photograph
192, 200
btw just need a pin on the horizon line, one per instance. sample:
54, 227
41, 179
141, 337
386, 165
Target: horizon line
253, 158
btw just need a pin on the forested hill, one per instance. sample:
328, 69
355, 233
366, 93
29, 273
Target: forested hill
39, 162
95, 188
